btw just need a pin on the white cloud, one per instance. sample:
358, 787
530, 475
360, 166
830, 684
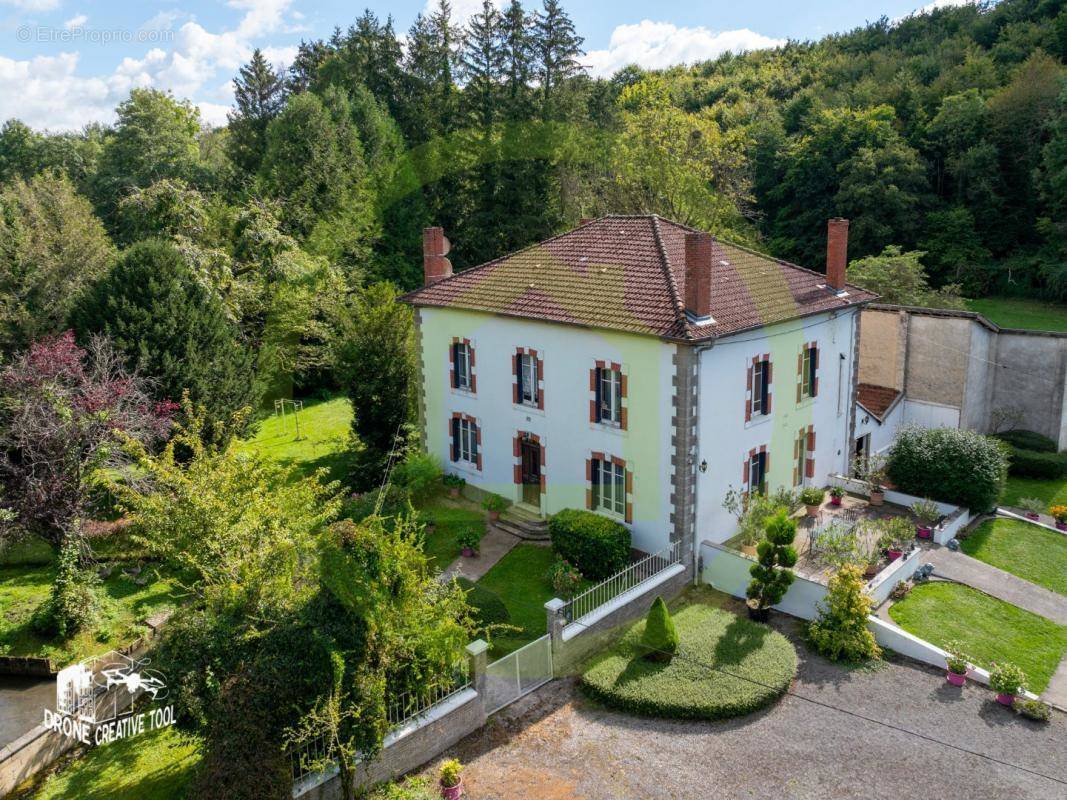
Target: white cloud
462, 10
31, 5
655, 45
75, 22
197, 64
943, 4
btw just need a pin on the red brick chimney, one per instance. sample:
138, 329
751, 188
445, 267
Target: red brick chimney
584, 221
698, 249
836, 252
435, 247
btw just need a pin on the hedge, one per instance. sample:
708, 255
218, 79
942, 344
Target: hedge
486, 606
597, 546
1028, 440
951, 465
1035, 464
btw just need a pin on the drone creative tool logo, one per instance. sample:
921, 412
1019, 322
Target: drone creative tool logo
96, 699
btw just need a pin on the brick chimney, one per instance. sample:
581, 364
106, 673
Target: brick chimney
836, 252
435, 247
584, 221
698, 250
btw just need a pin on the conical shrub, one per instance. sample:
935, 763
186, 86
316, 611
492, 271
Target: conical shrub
660, 639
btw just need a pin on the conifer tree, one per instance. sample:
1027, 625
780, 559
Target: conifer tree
259, 96
557, 46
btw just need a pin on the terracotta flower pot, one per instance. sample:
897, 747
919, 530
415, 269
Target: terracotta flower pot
924, 532
893, 555
452, 792
494, 516
1005, 699
812, 510
955, 678
835, 501
877, 497
453, 492
1033, 516
870, 570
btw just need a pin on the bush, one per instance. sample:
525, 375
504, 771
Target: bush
565, 579
771, 576
660, 638
840, 631
1028, 440
486, 606
419, 474
1033, 464
73, 604
599, 547
494, 503
955, 466
1033, 709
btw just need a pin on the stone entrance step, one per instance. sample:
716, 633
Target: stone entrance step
524, 523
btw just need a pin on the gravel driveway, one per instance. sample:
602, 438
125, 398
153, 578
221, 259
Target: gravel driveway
555, 745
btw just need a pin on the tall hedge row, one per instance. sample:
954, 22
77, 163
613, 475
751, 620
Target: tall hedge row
597, 546
955, 466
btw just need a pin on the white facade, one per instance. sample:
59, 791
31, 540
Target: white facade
724, 438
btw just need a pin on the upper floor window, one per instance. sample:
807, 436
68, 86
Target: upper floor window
527, 374
609, 485
462, 365
759, 387
465, 440
808, 367
609, 395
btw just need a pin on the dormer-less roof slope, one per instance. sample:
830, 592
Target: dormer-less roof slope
627, 273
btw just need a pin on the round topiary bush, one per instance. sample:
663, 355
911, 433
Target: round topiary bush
955, 466
725, 666
599, 547
486, 606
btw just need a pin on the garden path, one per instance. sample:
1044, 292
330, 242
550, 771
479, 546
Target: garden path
495, 545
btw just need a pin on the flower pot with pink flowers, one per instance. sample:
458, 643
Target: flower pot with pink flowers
957, 663
1032, 508
836, 493
451, 779
927, 513
1059, 514
1007, 680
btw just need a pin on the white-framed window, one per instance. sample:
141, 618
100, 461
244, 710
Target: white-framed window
609, 396
464, 440
757, 472
761, 385
802, 456
609, 486
528, 379
808, 367
461, 363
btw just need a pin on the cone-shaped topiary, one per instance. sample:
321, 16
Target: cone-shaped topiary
660, 638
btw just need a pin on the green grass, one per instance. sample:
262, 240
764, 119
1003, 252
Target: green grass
154, 766
31, 551
324, 429
124, 607
990, 629
1052, 492
1014, 312
449, 519
519, 580
1034, 554
761, 663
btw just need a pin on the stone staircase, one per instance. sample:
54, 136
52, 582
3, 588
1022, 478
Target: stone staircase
523, 523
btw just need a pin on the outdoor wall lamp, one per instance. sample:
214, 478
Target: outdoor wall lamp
704, 465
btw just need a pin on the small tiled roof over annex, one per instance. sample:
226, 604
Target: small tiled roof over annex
627, 273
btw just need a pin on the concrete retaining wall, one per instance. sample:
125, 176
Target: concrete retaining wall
900, 570
728, 571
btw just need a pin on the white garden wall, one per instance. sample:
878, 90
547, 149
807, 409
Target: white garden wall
728, 571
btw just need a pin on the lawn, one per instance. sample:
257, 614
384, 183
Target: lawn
519, 579
726, 665
990, 629
324, 429
158, 765
1051, 492
1033, 553
124, 607
448, 518
1015, 312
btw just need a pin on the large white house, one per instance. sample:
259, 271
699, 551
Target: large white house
638, 368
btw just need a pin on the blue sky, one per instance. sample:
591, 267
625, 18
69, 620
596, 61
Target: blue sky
64, 63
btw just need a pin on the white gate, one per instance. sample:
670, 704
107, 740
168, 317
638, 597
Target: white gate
519, 673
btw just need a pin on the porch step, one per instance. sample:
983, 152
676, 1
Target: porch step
524, 524
521, 532
523, 513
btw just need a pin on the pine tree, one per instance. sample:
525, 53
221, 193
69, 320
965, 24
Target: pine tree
170, 328
557, 47
303, 72
515, 29
259, 94
483, 62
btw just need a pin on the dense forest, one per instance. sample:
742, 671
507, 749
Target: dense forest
226, 261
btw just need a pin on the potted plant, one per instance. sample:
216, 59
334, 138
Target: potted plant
1032, 507
1059, 513
469, 539
927, 512
872, 471
454, 484
836, 493
870, 563
451, 779
1033, 709
812, 498
956, 661
897, 535
494, 504
1007, 680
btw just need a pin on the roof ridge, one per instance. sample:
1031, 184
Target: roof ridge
672, 285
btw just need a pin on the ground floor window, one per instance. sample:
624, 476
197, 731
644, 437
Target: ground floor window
464, 440
609, 486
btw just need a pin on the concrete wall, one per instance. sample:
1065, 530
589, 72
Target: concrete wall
1030, 377
882, 347
937, 359
724, 437
728, 571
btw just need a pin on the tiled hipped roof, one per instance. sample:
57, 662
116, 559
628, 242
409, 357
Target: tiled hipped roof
627, 273
876, 399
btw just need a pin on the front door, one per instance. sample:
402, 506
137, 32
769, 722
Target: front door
531, 473
861, 454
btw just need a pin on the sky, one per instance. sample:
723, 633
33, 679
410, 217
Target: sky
65, 63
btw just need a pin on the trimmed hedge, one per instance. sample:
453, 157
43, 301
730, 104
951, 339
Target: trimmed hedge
955, 466
486, 606
687, 688
1028, 440
1036, 464
597, 546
